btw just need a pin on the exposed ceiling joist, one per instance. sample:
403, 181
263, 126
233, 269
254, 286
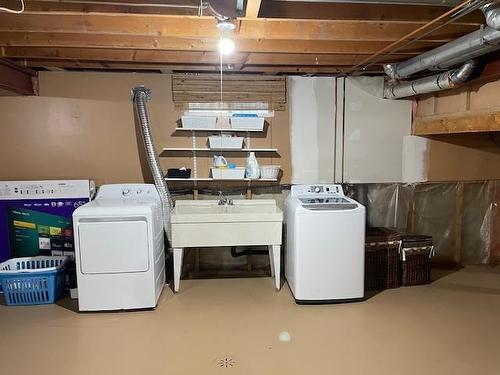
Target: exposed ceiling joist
112, 65
204, 27
253, 8
187, 57
172, 7
79, 40
151, 41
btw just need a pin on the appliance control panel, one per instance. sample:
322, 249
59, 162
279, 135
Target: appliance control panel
319, 189
45, 189
127, 191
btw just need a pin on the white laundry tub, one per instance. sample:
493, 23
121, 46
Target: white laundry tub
199, 223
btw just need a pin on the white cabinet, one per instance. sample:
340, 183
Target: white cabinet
343, 131
374, 132
312, 128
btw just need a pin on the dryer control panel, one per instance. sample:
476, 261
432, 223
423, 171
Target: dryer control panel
132, 191
320, 189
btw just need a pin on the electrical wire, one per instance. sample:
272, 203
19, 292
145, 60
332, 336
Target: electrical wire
8, 10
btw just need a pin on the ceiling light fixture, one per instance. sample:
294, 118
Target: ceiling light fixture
226, 44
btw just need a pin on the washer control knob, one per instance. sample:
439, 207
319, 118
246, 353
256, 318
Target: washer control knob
317, 189
125, 192
139, 191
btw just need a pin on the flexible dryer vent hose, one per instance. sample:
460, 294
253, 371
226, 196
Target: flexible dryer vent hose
140, 96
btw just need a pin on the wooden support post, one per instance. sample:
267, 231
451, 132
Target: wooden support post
491, 208
457, 224
495, 236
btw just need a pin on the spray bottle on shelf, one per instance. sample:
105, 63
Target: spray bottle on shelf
252, 170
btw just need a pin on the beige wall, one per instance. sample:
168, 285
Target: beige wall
474, 98
83, 126
462, 156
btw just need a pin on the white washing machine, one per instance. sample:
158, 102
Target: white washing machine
325, 239
119, 248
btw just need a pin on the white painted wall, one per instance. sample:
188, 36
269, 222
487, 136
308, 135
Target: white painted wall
415, 158
312, 129
374, 132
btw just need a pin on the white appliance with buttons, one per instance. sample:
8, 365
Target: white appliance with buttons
324, 252
119, 244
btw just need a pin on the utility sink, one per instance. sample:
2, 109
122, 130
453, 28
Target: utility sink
239, 211
203, 223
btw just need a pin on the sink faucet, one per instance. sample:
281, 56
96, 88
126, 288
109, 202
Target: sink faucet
223, 200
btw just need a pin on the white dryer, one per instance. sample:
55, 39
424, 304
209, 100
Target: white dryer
324, 252
119, 248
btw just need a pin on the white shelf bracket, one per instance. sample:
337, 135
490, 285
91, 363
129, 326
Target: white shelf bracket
195, 160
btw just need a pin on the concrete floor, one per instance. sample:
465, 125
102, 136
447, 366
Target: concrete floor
449, 327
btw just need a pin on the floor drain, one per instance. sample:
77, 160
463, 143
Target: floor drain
226, 362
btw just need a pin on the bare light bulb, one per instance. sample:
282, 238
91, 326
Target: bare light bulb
225, 46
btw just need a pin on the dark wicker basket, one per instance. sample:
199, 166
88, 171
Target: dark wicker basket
416, 253
382, 268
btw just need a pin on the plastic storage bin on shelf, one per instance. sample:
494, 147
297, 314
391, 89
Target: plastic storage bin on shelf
199, 122
33, 280
224, 143
228, 173
269, 172
247, 122
178, 173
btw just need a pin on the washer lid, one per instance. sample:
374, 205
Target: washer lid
327, 203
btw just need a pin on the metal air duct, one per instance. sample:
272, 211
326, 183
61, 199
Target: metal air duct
140, 95
437, 82
492, 14
469, 46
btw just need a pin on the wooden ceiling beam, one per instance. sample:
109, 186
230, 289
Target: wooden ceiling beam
310, 59
110, 6
253, 8
79, 40
99, 54
268, 9
48, 64
186, 57
205, 27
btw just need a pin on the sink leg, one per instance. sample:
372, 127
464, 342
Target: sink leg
276, 264
178, 253
271, 265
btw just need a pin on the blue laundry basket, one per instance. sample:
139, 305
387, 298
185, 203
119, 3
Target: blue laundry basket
33, 280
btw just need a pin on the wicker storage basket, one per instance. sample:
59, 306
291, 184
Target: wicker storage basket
382, 268
416, 253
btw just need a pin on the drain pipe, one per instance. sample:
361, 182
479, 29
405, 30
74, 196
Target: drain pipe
140, 95
437, 82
